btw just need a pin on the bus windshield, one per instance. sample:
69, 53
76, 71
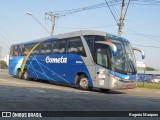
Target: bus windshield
124, 61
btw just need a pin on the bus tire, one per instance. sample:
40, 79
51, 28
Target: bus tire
83, 82
26, 75
19, 74
104, 90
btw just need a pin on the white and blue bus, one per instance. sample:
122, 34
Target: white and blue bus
84, 58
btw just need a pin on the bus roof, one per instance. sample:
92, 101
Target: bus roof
74, 34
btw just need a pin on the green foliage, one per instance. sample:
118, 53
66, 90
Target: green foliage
3, 64
150, 69
149, 85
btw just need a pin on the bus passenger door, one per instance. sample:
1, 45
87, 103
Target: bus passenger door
102, 59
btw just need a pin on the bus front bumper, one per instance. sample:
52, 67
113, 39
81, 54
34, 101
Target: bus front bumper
120, 84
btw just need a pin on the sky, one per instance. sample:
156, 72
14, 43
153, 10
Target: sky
141, 24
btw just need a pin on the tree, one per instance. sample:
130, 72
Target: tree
3, 64
150, 69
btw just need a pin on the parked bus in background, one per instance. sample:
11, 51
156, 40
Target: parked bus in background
84, 58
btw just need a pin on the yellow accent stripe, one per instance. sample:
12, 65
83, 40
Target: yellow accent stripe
28, 55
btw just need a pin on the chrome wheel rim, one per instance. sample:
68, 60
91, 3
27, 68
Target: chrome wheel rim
25, 75
84, 83
19, 74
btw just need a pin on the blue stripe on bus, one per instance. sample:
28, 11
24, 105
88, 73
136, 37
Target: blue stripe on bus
116, 37
38, 68
122, 76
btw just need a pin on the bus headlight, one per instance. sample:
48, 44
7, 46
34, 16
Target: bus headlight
117, 78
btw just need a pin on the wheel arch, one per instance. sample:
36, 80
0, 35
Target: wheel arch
86, 74
18, 69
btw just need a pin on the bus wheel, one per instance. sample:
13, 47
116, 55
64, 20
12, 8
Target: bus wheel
19, 74
26, 75
104, 90
83, 82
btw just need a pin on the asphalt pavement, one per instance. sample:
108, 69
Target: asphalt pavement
21, 95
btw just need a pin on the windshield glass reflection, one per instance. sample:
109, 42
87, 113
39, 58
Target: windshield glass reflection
124, 60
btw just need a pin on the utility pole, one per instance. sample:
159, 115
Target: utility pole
121, 19
52, 17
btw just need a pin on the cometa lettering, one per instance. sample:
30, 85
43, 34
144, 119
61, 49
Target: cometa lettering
56, 60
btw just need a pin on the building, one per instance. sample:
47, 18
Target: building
6, 59
146, 76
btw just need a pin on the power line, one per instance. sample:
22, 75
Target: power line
146, 36
52, 17
86, 27
153, 36
146, 46
145, 2
5, 39
57, 14
115, 10
100, 5
7, 34
141, 34
28, 13
111, 12
149, 1
4, 44
127, 8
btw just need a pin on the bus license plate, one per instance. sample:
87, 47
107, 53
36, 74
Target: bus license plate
129, 86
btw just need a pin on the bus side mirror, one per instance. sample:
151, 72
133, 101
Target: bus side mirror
113, 48
111, 45
143, 54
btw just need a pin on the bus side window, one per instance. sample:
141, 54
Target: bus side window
12, 50
36, 50
17, 51
26, 49
59, 46
55, 47
75, 46
22, 50
90, 41
62, 46
102, 58
46, 48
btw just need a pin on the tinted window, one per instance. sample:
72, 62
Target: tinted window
26, 49
102, 57
59, 46
90, 39
75, 46
46, 48
36, 50
12, 50
17, 50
